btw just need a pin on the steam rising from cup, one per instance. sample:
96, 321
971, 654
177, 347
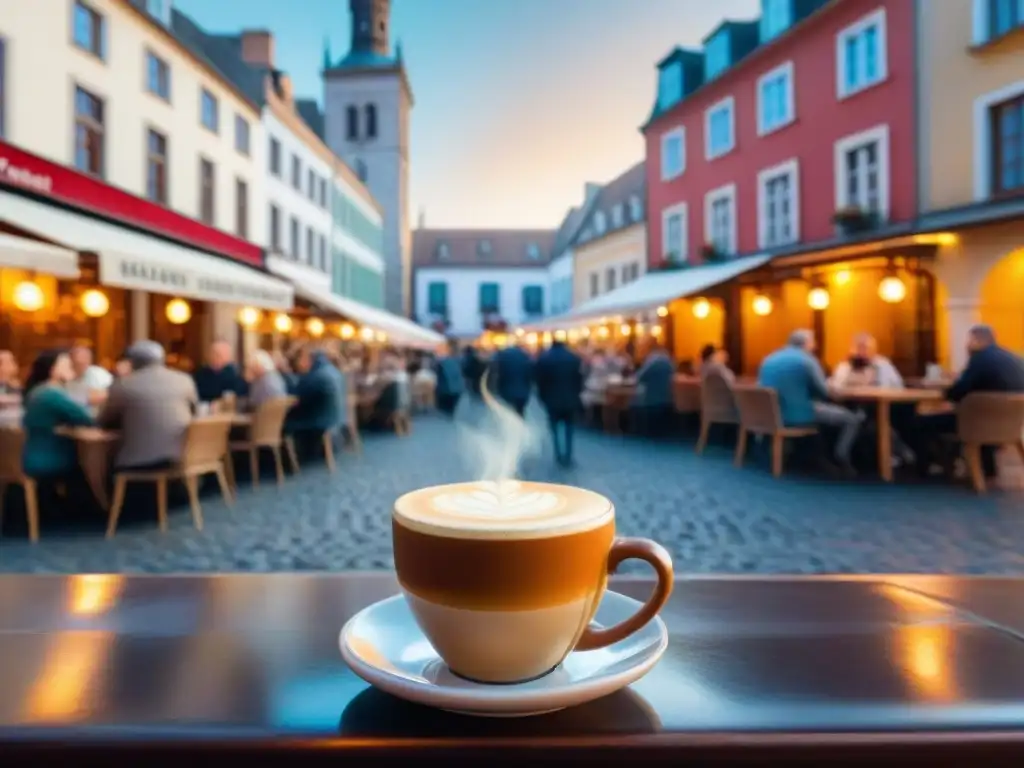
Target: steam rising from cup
499, 440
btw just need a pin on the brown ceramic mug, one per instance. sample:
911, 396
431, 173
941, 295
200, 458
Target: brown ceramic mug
504, 580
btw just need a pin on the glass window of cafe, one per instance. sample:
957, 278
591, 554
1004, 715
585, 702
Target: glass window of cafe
39, 312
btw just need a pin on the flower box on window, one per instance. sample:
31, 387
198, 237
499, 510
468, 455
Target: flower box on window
852, 220
669, 262
710, 252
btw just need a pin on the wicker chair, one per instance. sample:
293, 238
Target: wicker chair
12, 443
989, 418
265, 431
204, 452
760, 414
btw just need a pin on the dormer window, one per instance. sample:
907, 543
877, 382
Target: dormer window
636, 208
670, 84
483, 249
600, 222
776, 18
716, 55
533, 252
617, 215
442, 252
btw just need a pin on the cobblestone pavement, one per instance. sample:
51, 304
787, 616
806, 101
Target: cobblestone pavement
713, 517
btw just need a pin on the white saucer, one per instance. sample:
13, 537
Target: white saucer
384, 646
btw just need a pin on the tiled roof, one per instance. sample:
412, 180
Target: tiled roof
482, 247
311, 115
616, 192
222, 53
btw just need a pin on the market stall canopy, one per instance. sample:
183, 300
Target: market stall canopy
136, 261
401, 331
23, 253
653, 290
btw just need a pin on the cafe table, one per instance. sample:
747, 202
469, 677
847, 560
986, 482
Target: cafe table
883, 398
111, 669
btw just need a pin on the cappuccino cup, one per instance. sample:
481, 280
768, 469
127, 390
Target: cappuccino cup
505, 578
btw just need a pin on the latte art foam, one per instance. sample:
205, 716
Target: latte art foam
508, 509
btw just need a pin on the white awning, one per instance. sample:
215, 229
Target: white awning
136, 261
22, 253
653, 290
401, 331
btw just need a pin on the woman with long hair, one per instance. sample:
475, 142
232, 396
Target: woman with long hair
48, 455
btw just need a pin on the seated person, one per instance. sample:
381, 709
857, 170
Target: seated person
220, 375
90, 382
990, 368
152, 408
865, 367
653, 401
265, 381
10, 388
715, 360
322, 401
799, 381
47, 455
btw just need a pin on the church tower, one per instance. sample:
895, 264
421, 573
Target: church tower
367, 103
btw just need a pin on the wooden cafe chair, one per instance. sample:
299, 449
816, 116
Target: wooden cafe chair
760, 414
204, 452
989, 419
12, 443
717, 406
266, 431
686, 394
326, 440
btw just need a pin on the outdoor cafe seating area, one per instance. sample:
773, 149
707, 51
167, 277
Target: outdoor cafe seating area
224, 441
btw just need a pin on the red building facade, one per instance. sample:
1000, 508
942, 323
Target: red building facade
822, 101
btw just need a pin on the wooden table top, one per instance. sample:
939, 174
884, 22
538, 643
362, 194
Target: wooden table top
876, 670
888, 394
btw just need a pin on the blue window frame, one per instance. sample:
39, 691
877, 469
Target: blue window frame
533, 300
719, 127
209, 112
670, 84
490, 298
158, 76
88, 29
673, 153
776, 18
437, 299
716, 55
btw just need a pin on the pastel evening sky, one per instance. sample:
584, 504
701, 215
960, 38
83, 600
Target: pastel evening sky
518, 102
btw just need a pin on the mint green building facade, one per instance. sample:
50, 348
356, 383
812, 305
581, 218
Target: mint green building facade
357, 247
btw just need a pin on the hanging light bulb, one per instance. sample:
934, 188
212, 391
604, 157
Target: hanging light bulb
762, 305
248, 317
662, 311
347, 331
366, 334
892, 290
603, 332
701, 308
818, 299
94, 303
282, 323
28, 296
625, 330
178, 311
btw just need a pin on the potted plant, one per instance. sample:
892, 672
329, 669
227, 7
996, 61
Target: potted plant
853, 219
669, 261
710, 252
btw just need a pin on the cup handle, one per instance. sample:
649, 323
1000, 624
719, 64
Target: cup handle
659, 559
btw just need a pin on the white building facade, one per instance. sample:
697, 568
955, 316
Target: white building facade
560, 280
468, 294
299, 181
138, 152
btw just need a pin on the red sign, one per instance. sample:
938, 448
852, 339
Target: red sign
34, 174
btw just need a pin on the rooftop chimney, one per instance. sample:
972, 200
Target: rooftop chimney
258, 47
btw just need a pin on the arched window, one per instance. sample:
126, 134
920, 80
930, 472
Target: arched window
371, 121
361, 170
352, 122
